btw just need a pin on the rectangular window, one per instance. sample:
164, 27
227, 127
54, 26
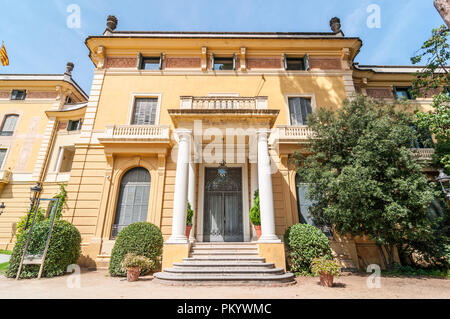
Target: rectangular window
144, 112
403, 93
296, 63
150, 62
9, 125
65, 159
299, 108
223, 64
18, 94
2, 156
423, 138
74, 125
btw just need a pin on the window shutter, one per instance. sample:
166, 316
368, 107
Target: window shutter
306, 62
2, 156
394, 88
139, 62
305, 110
69, 125
285, 61
234, 61
411, 93
160, 61
14, 95
212, 61
10, 123
145, 111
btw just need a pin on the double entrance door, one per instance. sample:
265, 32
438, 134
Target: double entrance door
223, 205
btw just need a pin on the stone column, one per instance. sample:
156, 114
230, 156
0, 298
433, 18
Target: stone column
181, 188
191, 196
265, 190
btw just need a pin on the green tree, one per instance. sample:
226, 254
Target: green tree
434, 80
363, 176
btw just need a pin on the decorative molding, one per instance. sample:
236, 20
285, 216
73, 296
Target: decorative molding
243, 59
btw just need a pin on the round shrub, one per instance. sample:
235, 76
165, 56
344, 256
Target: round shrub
304, 243
64, 249
142, 239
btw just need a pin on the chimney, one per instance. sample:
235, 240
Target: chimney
69, 68
335, 24
111, 24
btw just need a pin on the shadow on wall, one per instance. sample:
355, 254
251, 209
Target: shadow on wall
328, 91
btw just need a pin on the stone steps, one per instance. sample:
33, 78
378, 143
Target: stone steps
235, 279
224, 264
226, 271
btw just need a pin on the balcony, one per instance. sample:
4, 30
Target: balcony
223, 102
423, 154
135, 139
291, 134
242, 111
144, 133
5, 178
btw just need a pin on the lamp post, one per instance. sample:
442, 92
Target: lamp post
2, 207
444, 180
34, 193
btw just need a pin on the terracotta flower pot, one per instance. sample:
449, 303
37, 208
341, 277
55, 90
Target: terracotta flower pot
133, 273
326, 280
258, 230
188, 230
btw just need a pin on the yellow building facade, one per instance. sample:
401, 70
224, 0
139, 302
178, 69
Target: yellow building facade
177, 117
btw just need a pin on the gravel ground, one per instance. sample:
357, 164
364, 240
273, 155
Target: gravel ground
98, 284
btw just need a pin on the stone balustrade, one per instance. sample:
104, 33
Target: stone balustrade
223, 102
133, 132
423, 154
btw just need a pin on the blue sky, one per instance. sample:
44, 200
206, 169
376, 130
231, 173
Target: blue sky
38, 40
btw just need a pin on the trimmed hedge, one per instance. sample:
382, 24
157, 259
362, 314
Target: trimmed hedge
304, 243
64, 249
142, 239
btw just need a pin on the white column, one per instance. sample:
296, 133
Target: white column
60, 158
181, 188
191, 196
265, 190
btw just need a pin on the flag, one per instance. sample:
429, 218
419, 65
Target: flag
3, 56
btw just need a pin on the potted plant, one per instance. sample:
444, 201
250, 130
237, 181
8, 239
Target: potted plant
255, 215
326, 269
190, 214
133, 264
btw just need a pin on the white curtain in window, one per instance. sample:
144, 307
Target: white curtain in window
299, 108
10, 123
145, 111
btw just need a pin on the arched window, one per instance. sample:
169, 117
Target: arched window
9, 124
132, 204
303, 202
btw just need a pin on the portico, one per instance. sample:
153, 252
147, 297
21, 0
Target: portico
222, 158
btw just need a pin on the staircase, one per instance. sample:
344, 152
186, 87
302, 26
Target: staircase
224, 264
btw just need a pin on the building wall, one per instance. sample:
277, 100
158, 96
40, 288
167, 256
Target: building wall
115, 102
